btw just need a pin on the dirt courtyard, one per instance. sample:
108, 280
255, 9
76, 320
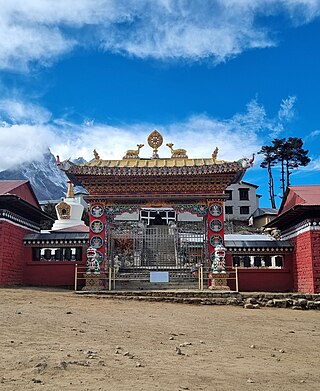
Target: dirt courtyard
55, 340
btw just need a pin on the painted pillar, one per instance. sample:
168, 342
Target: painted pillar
216, 250
97, 241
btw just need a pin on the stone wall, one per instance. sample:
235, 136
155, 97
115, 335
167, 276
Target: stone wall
296, 301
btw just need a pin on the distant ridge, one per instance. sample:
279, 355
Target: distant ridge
48, 182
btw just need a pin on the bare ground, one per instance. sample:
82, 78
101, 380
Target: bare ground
55, 340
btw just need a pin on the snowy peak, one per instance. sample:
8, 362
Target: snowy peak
48, 182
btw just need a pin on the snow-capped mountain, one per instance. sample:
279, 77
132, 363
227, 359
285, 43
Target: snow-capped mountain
48, 182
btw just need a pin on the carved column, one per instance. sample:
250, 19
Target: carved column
97, 235
216, 250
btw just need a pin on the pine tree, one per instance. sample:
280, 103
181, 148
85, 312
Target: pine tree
268, 162
289, 154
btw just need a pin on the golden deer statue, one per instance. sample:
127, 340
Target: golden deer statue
133, 153
177, 152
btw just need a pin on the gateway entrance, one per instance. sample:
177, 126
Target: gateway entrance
157, 191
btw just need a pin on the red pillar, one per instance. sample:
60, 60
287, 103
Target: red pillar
97, 235
215, 221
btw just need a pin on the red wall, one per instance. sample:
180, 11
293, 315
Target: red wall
263, 280
315, 243
303, 263
50, 273
12, 259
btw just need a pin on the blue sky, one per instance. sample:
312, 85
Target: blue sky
103, 74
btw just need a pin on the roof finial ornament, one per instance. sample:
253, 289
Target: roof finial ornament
96, 155
133, 153
155, 141
215, 154
70, 192
177, 153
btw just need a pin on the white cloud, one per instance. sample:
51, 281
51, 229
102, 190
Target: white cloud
29, 133
17, 111
20, 143
286, 112
36, 30
313, 134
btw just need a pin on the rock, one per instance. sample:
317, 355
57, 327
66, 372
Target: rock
250, 380
256, 306
126, 353
281, 351
311, 305
178, 351
68, 312
63, 365
201, 342
251, 300
91, 354
248, 306
302, 302
41, 366
81, 363
171, 338
280, 303
185, 344
232, 301
297, 307
118, 347
36, 380
273, 355
138, 365
270, 303
252, 346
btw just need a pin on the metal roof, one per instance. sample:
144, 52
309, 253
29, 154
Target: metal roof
57, 236
258, 244
8, 186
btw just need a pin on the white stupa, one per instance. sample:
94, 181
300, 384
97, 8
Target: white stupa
69, 212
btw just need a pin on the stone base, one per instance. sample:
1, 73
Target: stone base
219, 281
92, 283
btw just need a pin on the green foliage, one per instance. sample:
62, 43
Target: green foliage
289, 153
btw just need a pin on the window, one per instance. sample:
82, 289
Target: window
244, 194
244, 210
267, 261
279, 261
229, 210
150, 215
257, 261
229, 194
236, 261
57, 254
246, 261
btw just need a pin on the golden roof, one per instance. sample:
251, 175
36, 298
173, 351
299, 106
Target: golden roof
169, 162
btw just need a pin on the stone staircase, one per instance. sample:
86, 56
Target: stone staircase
159, 247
